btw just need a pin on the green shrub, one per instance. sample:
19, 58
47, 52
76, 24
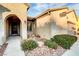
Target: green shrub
50, 44
64, 40
28, 45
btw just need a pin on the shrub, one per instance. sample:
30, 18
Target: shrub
64, 40
50, 44
28, 45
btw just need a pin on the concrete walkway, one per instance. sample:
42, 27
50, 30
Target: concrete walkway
74, 50
14, 48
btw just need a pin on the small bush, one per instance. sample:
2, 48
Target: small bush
66, 41
29, 45
50, 44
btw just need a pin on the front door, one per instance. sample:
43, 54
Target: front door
14, 28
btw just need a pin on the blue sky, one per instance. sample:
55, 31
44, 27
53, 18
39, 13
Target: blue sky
37, 8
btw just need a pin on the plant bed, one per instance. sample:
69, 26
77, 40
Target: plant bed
28, 45
56, 46
45, 51
64, 40
50, 44
49, 48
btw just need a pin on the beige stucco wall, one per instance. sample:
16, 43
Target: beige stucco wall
72, 17
20, 10
17, 7
70, 30
1, 30
51, 24
61, 21
43, 26
60, 26
55, 29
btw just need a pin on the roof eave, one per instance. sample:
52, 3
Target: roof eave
49, 10
4, 8
27, 4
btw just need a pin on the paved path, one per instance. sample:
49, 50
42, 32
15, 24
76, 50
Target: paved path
74, 51
14, 48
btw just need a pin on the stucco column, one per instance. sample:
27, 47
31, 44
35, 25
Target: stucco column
2, 32
24, 29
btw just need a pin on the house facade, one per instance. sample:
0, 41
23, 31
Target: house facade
55, 21
13, 20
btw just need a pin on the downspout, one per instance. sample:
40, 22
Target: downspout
49, 13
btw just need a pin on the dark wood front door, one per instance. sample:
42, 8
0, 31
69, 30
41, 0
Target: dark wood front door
14, 28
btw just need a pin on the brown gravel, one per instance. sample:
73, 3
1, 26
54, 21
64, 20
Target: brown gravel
2, 48
45, 51
42, 50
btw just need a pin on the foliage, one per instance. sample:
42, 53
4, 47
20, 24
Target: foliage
29, 45
50, 44
64, 40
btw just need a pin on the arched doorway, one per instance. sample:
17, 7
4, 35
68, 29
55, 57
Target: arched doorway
13, 25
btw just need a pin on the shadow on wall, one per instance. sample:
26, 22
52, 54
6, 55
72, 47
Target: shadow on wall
44, 30
50, 29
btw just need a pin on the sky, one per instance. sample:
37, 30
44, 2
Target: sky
37, 8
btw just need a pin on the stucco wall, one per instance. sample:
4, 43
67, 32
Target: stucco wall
23, 19
61, 21
51, 24
71, 30
43, 26
60, 25
16, 7
21, 13
20, 10
1, 30
55, 29
72, 17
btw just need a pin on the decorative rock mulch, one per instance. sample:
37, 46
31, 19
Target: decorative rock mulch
45, 51
42, 50
2, 48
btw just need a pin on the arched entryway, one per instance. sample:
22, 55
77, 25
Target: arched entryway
13, 25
